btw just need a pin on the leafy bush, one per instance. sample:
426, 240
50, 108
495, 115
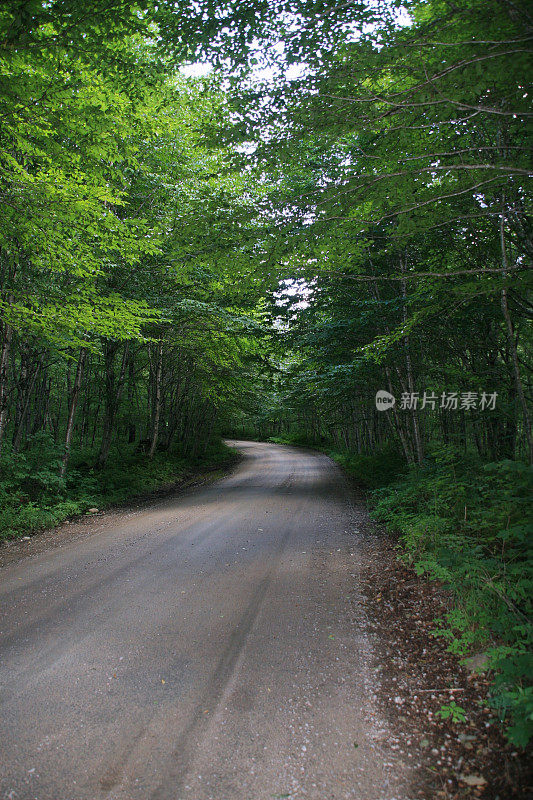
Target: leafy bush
371, 471
468, 525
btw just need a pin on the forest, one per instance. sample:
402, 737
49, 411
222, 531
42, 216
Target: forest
246, 220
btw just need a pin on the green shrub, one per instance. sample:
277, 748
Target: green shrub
371, 471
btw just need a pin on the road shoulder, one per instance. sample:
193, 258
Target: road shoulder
419, 678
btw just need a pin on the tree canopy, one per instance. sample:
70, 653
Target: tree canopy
340, 206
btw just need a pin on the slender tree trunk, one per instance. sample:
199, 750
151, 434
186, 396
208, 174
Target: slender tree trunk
85, 409
110, 349
95, 424
512, 347
112, 398
131, 393
42, 400
4, 369
157, 400
403, 440
72, 410
17, 441
398, 424
11, 268
410, 381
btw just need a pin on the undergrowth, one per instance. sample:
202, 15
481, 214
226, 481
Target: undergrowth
33, 496
468, 525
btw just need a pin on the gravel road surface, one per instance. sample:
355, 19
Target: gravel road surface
209, 646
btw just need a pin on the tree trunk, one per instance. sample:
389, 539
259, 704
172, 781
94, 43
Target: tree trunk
403, 440
156, 400
410, 382
132, 432
512, 347
17, 440
4, 367
112, 398
72, 410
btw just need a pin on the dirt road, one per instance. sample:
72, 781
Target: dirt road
211, 646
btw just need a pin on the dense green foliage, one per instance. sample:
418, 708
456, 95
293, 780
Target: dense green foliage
259, 253
129, 309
